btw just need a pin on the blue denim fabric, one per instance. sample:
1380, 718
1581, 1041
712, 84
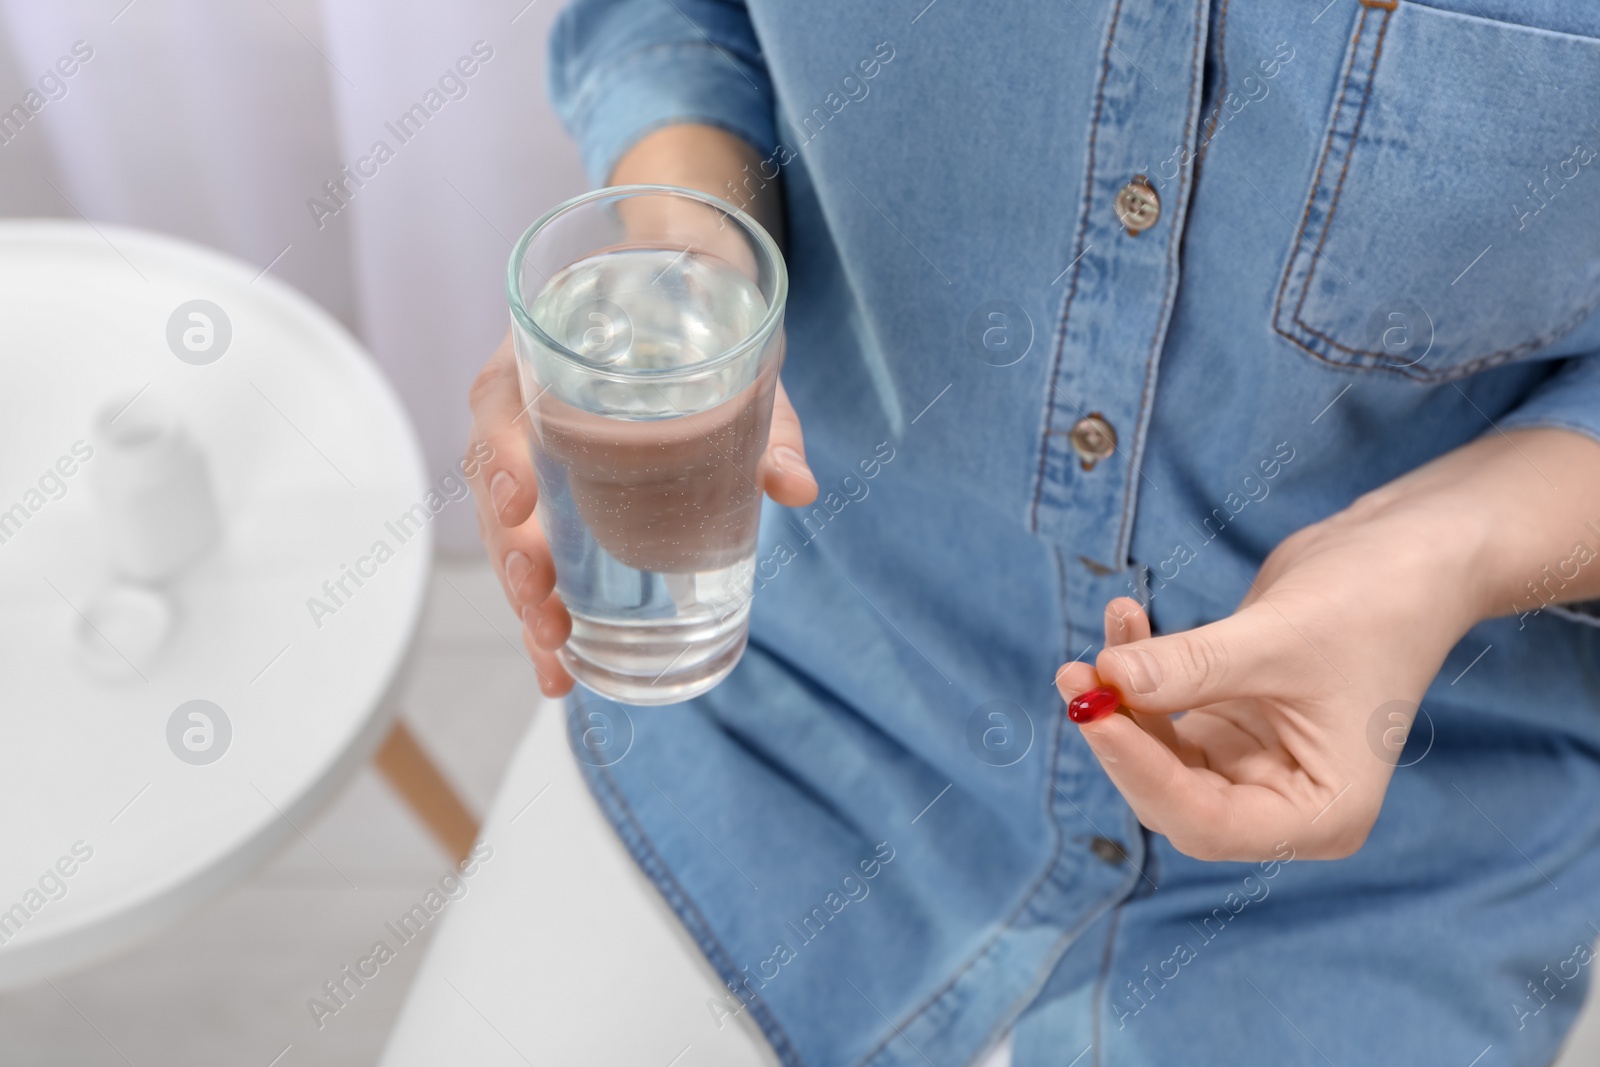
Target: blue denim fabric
1379, 238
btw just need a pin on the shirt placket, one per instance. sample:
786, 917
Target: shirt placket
1119, 296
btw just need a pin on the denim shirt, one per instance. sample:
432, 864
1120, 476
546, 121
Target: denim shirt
1097, 298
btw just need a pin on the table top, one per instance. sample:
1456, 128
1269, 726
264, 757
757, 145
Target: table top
105, 832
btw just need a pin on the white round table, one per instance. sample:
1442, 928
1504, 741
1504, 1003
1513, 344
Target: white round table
313, 462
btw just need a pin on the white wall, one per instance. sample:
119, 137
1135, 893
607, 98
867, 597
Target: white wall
217, 122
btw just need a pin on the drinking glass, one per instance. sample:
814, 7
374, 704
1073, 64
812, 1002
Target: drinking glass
648, 325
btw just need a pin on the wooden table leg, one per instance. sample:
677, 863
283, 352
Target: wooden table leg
412, 773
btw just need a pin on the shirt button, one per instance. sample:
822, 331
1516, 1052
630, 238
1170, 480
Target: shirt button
1092, 439
1137, 206
1109, 851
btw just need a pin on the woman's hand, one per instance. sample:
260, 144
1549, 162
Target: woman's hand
1342, 621
1347, 623
694, 157
506, 491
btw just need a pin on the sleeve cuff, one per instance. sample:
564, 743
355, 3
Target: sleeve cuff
1568, 400
666, 84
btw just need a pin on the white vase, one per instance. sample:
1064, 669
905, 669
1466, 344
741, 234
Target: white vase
154, 490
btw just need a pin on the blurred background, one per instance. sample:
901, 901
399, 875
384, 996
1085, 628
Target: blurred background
232, 125
225, 123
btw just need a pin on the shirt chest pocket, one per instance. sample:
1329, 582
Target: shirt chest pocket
1453, 223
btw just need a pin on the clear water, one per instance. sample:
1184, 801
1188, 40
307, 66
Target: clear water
648, 493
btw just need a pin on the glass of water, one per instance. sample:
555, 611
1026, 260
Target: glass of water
648, 324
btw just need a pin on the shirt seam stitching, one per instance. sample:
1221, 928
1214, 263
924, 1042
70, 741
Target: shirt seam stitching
1057, 851
649, 859
1124, 545
1051, 402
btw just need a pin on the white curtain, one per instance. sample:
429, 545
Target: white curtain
220, 121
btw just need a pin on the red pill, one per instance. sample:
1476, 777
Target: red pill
1094, 704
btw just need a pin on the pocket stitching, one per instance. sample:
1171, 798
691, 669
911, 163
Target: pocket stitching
1462, 370
1311, 198
1338, 191
1365, 359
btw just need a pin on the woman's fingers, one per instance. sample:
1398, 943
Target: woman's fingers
545, 628
1146, 769
505, 482
1127, 622
1202, 814
549, 623
1074, 678
505, 487
784, 474
1165, 770
1206, 816
554, 681
520, 558
1239, 656
529, 578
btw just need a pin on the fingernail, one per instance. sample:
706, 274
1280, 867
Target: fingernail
518, 567
789, 461
1140, 667
502, 487
1120, 622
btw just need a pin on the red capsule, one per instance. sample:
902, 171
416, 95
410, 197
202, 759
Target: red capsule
1094, 704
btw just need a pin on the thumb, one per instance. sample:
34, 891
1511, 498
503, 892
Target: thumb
1232, 657
785, 476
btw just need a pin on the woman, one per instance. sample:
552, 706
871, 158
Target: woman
1236, 356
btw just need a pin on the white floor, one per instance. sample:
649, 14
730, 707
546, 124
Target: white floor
230, 985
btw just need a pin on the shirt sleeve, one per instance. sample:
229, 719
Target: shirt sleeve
1569, 399
620, 69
